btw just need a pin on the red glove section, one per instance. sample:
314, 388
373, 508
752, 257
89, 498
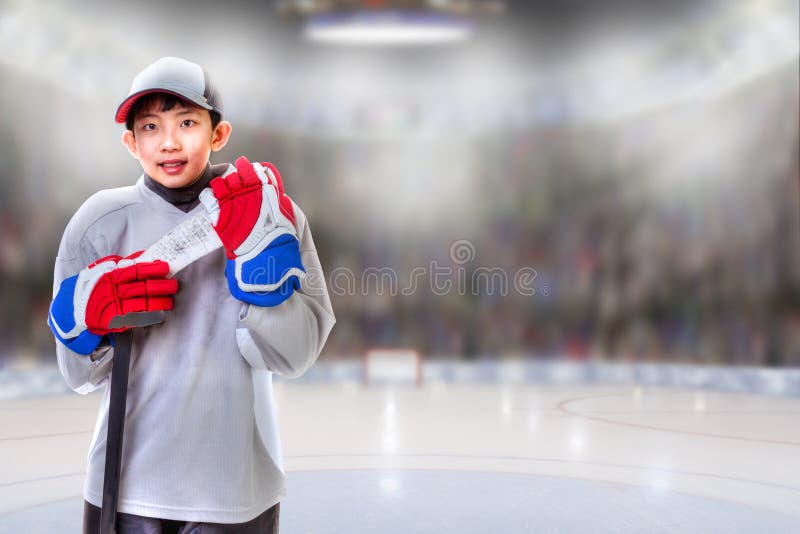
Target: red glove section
240, 196
138, 287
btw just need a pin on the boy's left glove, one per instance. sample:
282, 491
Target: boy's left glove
255, 222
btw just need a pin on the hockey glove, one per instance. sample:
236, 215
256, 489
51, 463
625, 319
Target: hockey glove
85, 304
255, 222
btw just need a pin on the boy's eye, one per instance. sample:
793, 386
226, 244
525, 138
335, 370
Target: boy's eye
188, 122
149, 127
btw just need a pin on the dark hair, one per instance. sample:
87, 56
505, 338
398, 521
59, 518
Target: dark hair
167, 101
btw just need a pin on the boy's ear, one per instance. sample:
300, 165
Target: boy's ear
220, 135
129, 140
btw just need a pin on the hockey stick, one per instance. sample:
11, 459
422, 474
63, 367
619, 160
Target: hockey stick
184, 244
116, 428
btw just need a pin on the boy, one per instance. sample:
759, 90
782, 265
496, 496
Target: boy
201, 451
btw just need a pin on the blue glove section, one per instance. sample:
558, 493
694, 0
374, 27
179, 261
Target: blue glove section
62, 313
268, 267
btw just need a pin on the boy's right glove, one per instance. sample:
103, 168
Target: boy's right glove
255, 221
85, 304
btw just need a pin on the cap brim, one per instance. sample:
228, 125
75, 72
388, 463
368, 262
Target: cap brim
127, 104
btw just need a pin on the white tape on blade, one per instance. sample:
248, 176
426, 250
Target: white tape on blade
186, 243
181, 246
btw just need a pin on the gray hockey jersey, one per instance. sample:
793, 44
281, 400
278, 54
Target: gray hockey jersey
201, 436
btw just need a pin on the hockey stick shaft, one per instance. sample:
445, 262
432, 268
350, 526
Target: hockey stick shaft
120, 369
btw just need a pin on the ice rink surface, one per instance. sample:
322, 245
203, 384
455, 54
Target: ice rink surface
470, 458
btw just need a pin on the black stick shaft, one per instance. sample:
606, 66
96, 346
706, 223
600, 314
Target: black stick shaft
120, 368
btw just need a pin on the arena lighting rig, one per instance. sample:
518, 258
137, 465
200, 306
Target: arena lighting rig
389, 22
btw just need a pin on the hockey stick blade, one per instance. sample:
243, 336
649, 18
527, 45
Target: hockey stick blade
184, 244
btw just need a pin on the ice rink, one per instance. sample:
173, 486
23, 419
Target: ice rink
471, 457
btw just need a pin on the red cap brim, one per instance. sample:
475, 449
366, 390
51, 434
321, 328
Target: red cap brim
127, 104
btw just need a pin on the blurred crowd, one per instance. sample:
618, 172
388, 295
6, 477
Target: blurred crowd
669, 235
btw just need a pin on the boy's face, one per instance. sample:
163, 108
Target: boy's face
173, 146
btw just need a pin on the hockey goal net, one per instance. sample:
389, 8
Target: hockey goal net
384, 366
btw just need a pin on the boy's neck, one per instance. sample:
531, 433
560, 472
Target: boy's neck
184, 198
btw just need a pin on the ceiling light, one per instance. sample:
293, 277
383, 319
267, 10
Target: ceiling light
388, 28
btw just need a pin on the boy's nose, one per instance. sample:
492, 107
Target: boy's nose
170, 141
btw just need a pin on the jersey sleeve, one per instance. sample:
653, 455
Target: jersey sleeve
287, 339
83, 373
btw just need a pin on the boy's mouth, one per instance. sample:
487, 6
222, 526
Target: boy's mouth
173, 166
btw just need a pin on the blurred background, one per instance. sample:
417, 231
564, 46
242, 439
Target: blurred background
603, 181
